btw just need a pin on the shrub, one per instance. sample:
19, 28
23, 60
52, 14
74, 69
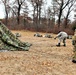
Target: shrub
74, 26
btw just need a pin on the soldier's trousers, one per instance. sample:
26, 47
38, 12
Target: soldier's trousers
74, 53
63, 40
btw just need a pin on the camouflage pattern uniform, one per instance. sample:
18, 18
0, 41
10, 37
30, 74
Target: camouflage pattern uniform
74, 48
9, 41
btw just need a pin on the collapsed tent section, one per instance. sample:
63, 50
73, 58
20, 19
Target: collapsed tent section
8, 41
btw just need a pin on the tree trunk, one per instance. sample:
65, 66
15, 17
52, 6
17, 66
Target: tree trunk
18, 16
39, 14
6, 18
37, 19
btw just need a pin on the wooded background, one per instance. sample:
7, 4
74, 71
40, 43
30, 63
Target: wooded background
43, 18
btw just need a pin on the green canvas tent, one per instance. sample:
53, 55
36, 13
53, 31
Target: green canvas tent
9, 41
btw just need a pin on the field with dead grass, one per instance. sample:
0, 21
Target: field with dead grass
43, 57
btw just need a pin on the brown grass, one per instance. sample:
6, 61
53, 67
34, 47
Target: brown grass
43, 58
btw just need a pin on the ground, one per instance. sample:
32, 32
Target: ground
43, 57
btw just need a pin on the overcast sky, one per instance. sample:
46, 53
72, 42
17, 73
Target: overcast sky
2, 14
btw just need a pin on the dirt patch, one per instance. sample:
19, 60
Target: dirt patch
43, 57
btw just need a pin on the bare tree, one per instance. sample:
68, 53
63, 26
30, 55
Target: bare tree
36, 4
6, 4
69, 9
18, 5
75, 12
52, 12
61, 4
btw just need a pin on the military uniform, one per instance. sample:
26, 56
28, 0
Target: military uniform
61, 37
74, 48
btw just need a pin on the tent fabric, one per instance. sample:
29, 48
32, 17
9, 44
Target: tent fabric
8, 41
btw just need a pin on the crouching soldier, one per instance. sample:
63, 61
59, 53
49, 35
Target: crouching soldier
74, 48
62, 36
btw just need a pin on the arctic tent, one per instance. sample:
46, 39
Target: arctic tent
8, 41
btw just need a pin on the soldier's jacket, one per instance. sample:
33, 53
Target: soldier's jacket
74, 40
74, 44
9, 41
62, 35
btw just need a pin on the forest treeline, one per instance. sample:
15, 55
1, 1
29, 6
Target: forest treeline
37, 15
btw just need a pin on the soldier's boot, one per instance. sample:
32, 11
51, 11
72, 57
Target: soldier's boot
74, 57
74, 61
64, 44
58, 45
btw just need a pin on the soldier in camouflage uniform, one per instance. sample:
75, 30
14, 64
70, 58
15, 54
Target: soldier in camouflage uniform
74, 49
9, 41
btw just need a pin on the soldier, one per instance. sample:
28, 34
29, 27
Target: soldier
62, 37
74, 49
